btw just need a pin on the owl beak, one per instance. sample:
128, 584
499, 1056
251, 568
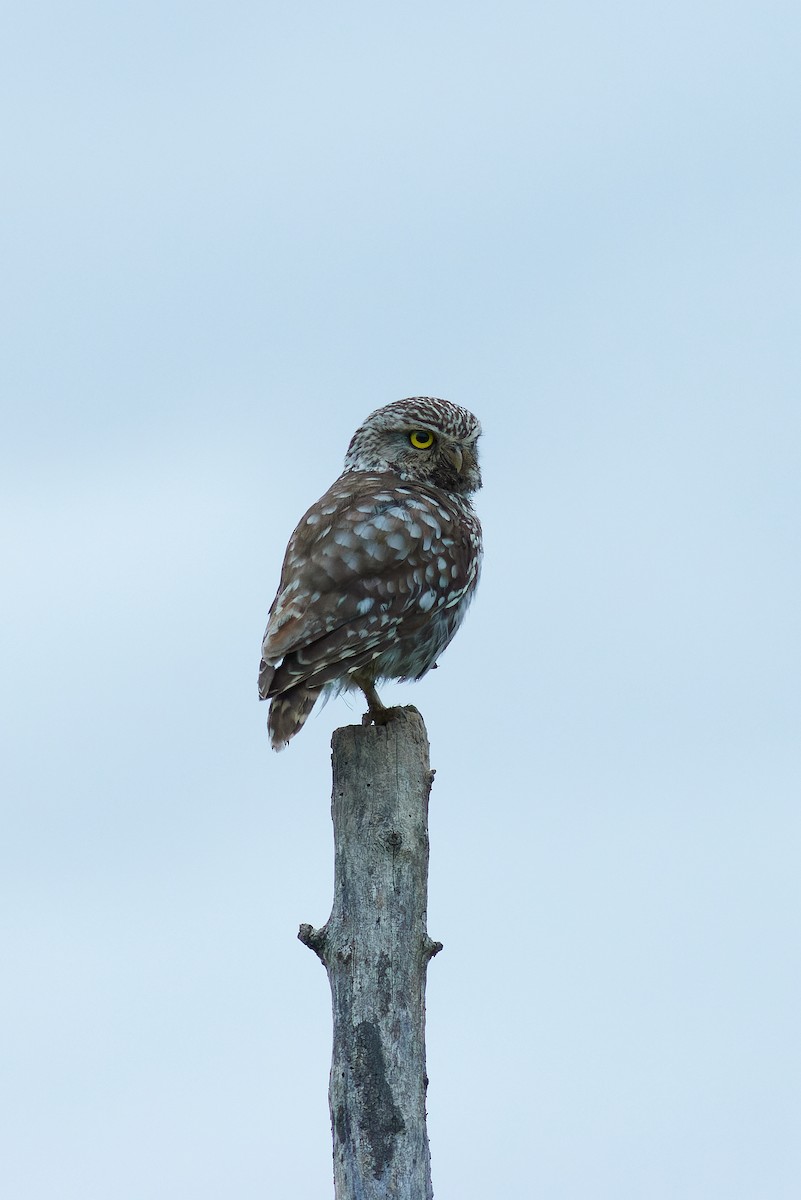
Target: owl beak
453, 453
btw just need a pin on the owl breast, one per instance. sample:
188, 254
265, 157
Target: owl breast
438, 575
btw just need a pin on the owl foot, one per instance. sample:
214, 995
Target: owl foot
377, 713
380, 716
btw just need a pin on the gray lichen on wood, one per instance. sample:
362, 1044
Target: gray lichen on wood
375, 948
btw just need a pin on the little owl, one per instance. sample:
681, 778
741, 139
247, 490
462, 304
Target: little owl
379, 573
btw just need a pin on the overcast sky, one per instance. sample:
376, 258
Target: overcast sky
229, 232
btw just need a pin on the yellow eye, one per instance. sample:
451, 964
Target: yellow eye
421, 439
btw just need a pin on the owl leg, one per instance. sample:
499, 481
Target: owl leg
377, 713
374, 705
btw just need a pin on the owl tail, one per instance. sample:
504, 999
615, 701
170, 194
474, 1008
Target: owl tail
288, 713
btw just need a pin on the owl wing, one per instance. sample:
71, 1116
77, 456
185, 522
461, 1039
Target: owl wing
369, 555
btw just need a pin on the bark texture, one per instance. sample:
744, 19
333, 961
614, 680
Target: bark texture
375, 948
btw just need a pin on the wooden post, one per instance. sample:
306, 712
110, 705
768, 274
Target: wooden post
375, 948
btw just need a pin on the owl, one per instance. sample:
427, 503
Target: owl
379, 572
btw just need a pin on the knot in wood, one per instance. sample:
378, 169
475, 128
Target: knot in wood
314, 939
394, 840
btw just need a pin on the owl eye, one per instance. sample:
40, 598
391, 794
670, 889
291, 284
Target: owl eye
421, 439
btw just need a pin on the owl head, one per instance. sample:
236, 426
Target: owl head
422, 439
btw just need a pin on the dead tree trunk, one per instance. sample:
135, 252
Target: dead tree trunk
375, 948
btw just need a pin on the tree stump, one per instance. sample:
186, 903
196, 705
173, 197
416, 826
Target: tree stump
375, 948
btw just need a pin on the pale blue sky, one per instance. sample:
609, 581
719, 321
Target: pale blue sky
229, 232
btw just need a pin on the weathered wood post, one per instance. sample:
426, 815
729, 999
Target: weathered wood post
375, 948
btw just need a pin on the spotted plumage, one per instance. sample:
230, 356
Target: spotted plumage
379, 572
